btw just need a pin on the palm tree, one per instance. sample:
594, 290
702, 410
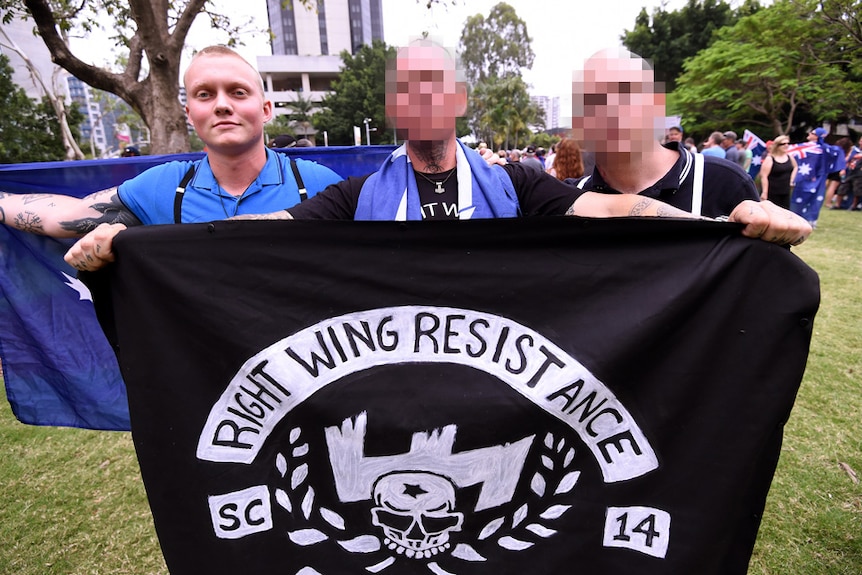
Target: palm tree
301, 111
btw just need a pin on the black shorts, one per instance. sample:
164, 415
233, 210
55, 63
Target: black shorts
834, 176
852, 187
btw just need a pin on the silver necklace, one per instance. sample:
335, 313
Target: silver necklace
439, 183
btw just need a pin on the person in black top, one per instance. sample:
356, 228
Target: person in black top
618, 112
432, 176
777, 173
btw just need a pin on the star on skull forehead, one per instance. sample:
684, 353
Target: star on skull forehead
414, 490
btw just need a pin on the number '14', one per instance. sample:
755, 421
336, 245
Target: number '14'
645, 528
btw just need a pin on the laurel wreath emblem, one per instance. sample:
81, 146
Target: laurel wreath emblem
524, 524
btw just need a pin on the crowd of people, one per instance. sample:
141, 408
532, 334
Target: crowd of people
831, 174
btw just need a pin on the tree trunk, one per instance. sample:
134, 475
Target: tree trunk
156, 97
73, 151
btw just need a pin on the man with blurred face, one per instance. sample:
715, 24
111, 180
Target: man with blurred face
619, 111
433, 176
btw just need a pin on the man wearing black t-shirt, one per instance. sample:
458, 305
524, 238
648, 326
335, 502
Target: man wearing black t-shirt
433, 176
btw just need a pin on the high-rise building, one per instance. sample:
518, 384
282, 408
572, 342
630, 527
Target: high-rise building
324, 28
551, 106
92, 128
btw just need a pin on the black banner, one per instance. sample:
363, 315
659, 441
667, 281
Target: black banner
521, 396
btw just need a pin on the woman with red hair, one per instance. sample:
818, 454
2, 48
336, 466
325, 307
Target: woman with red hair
568, 162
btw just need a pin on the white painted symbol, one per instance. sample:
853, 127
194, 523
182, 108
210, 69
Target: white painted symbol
416, 511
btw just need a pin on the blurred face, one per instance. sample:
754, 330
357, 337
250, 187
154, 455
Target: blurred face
812, 136
674, 135
225, 103
614, 105
423, 96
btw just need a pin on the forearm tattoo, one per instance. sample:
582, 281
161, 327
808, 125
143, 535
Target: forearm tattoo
282, 215
665, 211
113, 212
640, 207
28, 222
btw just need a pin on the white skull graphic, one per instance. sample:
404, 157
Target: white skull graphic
416, 511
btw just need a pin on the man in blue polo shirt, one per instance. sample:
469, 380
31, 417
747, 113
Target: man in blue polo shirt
239, 175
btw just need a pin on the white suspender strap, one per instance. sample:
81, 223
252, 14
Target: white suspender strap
697, 186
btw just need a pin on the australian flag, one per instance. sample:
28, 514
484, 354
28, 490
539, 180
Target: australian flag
57, 365
812, 165
758, 151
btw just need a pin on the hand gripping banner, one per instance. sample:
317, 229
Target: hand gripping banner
510, 396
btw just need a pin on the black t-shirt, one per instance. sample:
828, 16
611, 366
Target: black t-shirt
725, 184
539, 194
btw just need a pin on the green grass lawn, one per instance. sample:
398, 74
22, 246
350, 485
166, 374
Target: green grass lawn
813, 518
72, 503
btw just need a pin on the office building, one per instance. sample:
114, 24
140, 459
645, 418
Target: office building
326, 28
551, 107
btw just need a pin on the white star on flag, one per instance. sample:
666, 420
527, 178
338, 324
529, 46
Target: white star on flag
804, 170
78, 286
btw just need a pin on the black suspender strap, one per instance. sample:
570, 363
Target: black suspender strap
178, 198
181, 189
303, 193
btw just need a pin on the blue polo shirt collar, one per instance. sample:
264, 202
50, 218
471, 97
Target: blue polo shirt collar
271, 175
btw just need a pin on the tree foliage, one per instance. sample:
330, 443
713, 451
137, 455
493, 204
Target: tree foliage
493, 52
297, 122
50, 90
152, 32
301, 112
770, 69
844, 15
31, 131
502, 112
357, 94
496, 46
667, 39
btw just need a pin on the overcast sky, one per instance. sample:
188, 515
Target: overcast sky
564, 32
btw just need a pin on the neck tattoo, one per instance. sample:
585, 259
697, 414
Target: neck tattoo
439, 183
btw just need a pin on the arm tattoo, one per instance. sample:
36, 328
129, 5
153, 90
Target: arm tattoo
30, 198
571, 210
113, 212
665, 211
24, 221
29, 222
282, 215
641, 206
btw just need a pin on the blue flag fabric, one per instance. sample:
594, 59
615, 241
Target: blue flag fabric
58, 368
812, 167
57, 365
758, 151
